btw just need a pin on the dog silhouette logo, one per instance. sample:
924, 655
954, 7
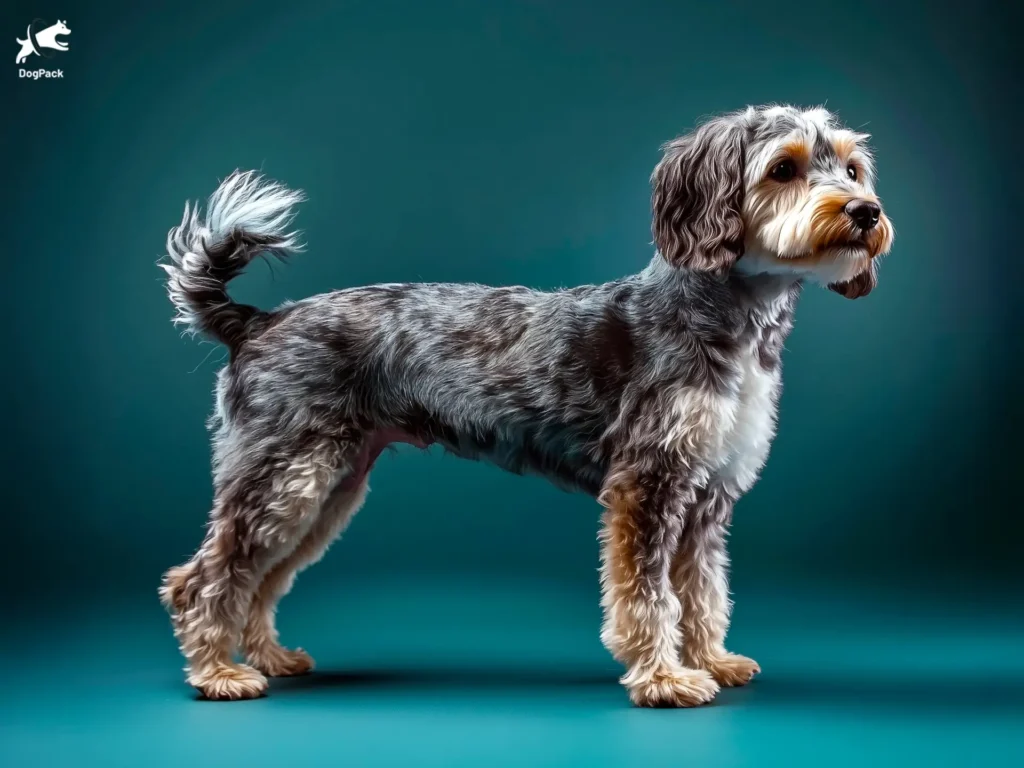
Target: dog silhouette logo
41, 40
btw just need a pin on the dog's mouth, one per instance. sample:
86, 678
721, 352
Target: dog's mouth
854, 244
846, 245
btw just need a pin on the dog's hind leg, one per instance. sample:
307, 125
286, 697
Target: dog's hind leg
259, 518
260, 638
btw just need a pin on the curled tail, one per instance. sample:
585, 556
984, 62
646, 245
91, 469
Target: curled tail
246, 216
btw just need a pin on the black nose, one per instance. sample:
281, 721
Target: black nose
864, 214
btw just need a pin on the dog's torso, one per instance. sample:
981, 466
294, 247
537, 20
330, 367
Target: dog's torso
534, 382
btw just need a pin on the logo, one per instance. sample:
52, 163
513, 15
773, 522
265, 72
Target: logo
41, 41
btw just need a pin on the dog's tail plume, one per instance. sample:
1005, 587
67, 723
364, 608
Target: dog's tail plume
247, 215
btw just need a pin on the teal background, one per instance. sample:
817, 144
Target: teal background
877, 565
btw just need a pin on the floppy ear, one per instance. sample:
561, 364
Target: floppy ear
860, 285
698, 197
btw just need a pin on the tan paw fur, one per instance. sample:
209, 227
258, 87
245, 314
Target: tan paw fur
281, 662
731, 669
229, 682
677, 688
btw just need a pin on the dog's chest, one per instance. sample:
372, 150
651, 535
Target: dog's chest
747, 436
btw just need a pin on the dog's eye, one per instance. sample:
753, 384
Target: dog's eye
851, 172
783, 171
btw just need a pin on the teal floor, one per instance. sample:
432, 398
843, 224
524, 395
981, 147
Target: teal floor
448, 674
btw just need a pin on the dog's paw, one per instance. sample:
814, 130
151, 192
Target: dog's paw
229, 682
281, 662
731, 669
676, 688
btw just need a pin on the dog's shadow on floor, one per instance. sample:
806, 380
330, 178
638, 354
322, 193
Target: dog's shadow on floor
946, 690
436, 678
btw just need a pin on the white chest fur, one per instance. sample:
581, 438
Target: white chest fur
748, 438
725, 438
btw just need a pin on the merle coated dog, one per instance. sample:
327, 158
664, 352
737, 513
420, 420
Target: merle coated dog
655, 393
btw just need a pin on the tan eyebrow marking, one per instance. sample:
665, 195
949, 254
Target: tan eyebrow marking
844, 145
798, 151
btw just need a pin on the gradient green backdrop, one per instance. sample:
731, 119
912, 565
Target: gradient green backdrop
877, 564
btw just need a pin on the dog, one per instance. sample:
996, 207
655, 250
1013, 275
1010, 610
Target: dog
656, 393
45, 38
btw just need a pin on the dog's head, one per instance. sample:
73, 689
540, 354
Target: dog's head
773, 190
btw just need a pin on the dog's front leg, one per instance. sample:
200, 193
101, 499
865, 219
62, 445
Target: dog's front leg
642, 524
701, 579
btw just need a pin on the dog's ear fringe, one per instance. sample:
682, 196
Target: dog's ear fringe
697, 197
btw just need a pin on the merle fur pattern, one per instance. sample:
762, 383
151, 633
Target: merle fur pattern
546, 383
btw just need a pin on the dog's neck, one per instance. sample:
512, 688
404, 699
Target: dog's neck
750, 292
760, 291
